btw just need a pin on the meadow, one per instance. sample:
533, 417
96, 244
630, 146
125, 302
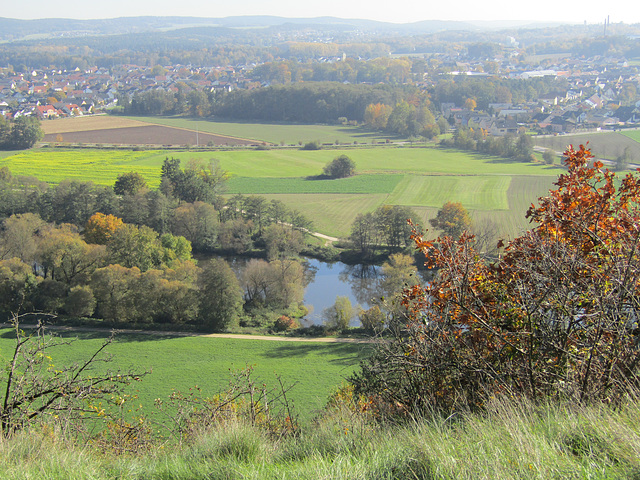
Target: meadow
180, 363
511, 440
607, 145
422, 178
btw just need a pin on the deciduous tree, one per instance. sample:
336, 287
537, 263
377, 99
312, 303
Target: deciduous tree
129, 184
340, 167
452, 219
555, 317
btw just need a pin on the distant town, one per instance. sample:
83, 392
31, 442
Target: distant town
585, 91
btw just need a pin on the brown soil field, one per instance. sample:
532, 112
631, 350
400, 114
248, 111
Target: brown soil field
83, 124
143, 135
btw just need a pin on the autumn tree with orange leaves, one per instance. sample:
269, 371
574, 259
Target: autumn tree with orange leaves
377, 115
555, 317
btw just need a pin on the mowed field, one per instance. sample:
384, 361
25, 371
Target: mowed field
605, 145
421, 178
180, 363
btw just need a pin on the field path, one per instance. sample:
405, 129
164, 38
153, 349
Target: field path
239, 336
324, 237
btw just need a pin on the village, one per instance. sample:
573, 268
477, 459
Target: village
600, 93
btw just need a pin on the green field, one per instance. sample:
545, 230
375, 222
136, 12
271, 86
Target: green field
607, 145
632, 134
179, 363
276, 133
422, 178
358, 184
99, 166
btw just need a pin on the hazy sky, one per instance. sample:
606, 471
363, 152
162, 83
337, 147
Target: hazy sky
399, 11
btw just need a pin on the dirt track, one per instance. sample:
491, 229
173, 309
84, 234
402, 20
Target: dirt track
238, 336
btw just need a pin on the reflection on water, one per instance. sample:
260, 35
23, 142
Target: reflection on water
326, 281
357, 282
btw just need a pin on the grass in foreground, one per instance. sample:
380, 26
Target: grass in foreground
179, 363
510, 441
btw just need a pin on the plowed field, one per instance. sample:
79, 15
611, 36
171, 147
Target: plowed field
144, 135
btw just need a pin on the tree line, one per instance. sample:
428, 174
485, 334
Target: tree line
129, 275
20, 133
518, 147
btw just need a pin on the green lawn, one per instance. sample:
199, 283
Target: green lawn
179, 363
275, 133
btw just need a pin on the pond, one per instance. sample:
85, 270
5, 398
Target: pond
328, 281
357, 282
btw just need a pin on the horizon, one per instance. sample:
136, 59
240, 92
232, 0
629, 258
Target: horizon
405, 11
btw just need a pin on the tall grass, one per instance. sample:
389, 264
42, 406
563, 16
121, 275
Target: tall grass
511, 440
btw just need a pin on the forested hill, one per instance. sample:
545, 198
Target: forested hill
16, 29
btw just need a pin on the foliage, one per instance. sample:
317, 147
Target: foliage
555, 316
198, 181
285, 323
452, 219
100, 228
20, 134
519, 148
312, 145
622, 161
221, 295
129, 183
386, 226
245, 400
198, 223
373, 319
339, 315
549, 156
276, 284
340, 167
397, 273
282, 241
377, 115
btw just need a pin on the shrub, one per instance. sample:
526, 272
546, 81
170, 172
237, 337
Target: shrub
555, 317
314, 145
284, 323
340, 167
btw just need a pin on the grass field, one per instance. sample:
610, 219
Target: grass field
422, 178
607, 145
295, 185
99, 166
632, 134
179, 363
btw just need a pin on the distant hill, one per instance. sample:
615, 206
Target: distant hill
15, 29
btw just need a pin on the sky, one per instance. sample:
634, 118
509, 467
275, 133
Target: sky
397, 11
